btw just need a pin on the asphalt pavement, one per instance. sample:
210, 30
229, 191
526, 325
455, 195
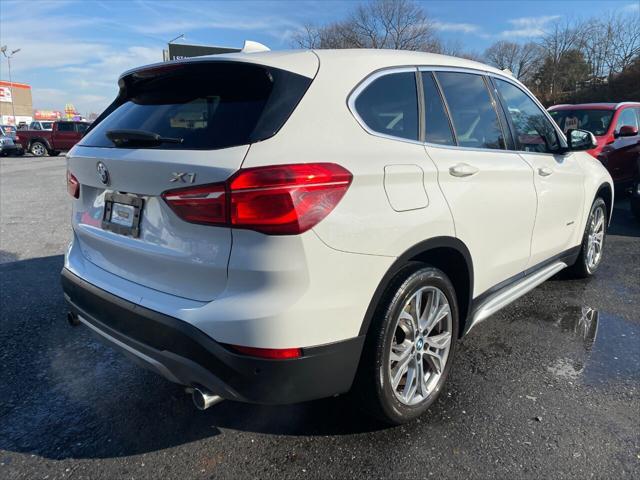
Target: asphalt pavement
546, 388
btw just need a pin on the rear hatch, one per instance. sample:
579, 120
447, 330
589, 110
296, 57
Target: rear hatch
173, 126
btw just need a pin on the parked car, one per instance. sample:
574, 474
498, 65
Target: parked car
13, 147
7, 146
615, 126
276, 228
61, 137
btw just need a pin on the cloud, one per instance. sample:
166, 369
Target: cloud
456, 27
529, 26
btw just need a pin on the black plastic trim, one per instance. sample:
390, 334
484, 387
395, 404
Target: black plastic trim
405, 260
193, 358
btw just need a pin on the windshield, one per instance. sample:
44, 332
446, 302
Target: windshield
595, 121
204, 105
8, 129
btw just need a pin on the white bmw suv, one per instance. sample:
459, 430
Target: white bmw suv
278, 227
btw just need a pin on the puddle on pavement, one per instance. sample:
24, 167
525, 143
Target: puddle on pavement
610, 347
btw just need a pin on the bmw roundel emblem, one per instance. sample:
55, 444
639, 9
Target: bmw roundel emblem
103, 173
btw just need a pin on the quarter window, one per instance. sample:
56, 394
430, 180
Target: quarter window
474, 118
437, 128
389, 105
534, 132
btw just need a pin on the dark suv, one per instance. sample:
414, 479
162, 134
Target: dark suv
615, 126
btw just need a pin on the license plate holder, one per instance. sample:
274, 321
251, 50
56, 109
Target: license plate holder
122, 213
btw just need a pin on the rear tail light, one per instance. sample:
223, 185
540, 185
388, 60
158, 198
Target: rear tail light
270, 353
206, 204
276, 200
73, 186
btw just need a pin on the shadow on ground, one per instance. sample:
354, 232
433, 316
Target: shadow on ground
65, 395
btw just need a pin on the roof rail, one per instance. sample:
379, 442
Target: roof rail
622, 104
251, 47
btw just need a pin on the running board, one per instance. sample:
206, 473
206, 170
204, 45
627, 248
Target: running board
504, 297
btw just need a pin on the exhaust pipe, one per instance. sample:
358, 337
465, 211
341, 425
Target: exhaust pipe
203, 399
73, 320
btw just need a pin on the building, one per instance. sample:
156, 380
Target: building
178, 51
15, 96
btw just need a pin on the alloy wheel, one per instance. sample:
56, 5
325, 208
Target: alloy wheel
595, 239
38, 150
420, 345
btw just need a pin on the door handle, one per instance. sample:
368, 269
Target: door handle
463, 170
544, 171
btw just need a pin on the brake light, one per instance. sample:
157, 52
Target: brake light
73, 186
205, 204
270, 353
276, 200
17, 138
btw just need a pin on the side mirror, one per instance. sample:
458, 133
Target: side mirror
581, 140
628, 131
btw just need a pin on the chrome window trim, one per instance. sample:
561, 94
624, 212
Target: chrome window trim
353, 95
545, 112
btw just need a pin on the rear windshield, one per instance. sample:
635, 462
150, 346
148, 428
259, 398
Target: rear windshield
205, 105
595, 121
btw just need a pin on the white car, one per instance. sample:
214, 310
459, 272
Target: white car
283, 226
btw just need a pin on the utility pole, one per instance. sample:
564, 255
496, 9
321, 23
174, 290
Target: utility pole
3, 49
166, 58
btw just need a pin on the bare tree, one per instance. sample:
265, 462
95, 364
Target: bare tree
624, 31
521, 60
395, 24
564, 36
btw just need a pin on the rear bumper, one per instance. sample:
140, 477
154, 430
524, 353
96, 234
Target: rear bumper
11, 149
185, 355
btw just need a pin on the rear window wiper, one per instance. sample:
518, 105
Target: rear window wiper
132, 138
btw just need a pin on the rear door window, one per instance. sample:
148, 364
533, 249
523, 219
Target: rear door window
65, 127
389, 105
533, 130
474, 118
207, 105
437, 127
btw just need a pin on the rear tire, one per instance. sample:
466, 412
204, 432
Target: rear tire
38, 149
413, 336
593, 241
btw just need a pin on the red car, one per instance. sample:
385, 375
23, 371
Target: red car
615, 126
63, 136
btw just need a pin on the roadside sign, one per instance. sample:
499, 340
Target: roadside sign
178, 51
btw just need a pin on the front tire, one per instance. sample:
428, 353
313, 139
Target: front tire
410, 346
38, 149
593, 241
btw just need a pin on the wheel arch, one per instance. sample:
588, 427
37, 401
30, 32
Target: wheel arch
448, 254
606, 192
42, 140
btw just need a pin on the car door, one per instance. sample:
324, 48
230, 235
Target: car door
558, 178
622, 155
489, 189
65, 136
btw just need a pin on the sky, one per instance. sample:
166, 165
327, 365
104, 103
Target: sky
74, 51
